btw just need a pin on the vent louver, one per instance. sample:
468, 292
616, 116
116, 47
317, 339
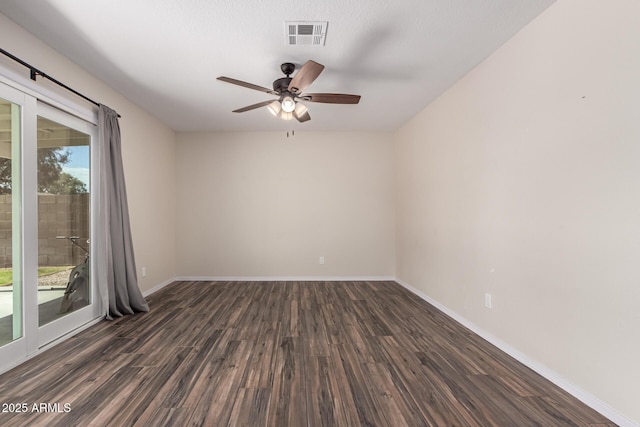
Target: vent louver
301, 33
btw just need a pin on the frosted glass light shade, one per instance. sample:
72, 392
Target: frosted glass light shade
301, 109
288, 104
284, 115
274, 108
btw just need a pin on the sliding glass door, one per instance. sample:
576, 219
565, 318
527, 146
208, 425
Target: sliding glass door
46, 212
11, 324
65, 289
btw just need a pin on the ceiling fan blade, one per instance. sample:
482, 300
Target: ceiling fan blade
247, 85
253, 107
305, 76
331, 98
302, 117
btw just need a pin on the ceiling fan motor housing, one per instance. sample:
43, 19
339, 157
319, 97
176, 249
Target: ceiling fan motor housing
282, 85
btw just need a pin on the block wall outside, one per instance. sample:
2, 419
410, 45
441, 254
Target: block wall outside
58, 215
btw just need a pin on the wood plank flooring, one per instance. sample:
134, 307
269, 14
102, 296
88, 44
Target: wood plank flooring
284, 354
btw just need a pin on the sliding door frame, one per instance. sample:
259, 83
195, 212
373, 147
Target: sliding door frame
69, 322
34, 101
14, 352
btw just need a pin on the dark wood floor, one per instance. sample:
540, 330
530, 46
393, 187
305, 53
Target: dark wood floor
285, 354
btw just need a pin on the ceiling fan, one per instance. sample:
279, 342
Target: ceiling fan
289, 92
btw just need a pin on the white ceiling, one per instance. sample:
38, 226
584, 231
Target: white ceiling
165, 55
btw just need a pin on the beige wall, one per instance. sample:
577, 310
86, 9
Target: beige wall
523, 181
261, 204
147, 150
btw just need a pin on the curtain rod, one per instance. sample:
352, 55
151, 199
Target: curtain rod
36, 72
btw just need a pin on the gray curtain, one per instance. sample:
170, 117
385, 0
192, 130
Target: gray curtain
116, 265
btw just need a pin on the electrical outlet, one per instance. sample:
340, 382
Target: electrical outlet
488, 301
144, 271
321, 260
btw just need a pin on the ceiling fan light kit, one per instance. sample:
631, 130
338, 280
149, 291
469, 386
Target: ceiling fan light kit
290, 91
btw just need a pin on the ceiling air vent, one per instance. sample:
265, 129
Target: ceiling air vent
298, 33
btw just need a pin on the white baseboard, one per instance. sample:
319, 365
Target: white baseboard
585, 397
158, 287
282, 278
265, 279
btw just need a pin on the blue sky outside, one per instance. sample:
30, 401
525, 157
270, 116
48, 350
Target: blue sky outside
78, 165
